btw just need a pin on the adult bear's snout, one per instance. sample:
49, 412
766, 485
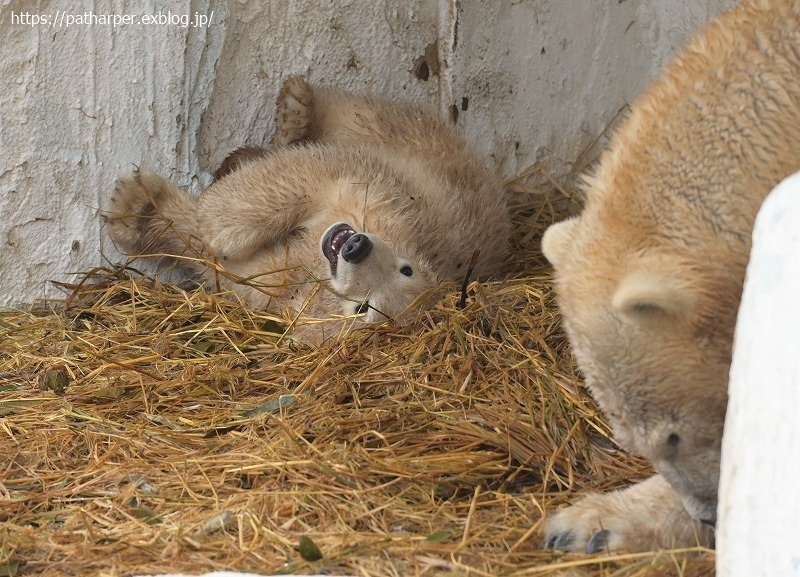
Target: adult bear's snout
356, 249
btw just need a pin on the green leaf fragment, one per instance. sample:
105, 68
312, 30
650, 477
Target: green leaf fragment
205, 347
9, 568
112, 392
438, 536
308, 549
8, 407
272, 326
272, 406
146, 513
56, 380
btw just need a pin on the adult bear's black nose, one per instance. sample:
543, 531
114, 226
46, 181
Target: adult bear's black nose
356, 249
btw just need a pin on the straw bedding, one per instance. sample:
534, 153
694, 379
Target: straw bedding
147, 428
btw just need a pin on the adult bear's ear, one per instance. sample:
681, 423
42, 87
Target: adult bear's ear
655, 291
558, 238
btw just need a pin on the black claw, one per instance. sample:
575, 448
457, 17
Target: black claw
560, 541
564, 541
598, 542
709, 522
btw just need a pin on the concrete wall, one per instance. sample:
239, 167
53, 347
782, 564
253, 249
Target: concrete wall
532, 81
545, 78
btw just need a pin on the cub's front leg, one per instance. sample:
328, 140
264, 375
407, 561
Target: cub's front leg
148, 214
645, 517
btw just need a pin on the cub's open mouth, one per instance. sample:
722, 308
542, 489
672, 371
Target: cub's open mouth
333, 241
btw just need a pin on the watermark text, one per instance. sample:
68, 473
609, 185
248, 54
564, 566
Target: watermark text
61, 19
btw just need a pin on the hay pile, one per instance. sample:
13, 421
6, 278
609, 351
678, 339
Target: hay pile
151, 429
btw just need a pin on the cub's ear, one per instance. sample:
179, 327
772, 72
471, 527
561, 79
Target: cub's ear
558, 238
654, 292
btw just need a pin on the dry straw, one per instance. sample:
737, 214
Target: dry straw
148, 429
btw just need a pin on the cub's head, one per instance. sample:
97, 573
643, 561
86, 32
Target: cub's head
369, 277
652, 332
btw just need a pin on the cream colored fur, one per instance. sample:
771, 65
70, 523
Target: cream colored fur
392, 171
650, 275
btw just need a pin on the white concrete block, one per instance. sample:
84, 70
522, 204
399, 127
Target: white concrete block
759, 505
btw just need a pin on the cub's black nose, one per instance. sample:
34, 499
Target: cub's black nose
356, 249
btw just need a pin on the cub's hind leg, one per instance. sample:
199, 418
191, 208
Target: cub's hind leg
293, 113
148, 215
329, 116
313, 113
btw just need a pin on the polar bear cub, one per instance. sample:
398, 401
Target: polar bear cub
650, 275
359, 207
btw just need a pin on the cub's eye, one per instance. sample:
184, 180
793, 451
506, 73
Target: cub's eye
362, 308
406, 270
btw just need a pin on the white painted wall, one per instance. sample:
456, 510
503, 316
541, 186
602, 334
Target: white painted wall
541, 79
759, 508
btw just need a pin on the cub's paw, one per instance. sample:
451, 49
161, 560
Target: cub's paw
140, 210
582, 528
644, 517
293, 112
130, 207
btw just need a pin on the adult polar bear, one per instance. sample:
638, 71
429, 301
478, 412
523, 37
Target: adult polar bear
650, 275
358, 208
